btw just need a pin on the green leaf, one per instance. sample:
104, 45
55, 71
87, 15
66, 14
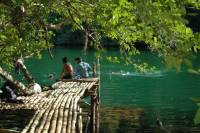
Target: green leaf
3, 37
193, 71
197, 117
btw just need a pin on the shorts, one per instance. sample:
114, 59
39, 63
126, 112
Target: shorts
67, 77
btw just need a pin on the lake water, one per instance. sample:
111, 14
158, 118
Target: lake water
142, 97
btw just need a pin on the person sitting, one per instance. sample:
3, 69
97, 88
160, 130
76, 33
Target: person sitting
8, 94
82, 69
67, 71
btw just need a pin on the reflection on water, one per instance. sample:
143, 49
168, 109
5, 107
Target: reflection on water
121, 120
14, 119
132, 120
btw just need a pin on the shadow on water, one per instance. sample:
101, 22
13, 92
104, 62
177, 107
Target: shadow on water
14, 120
121, 120
132, 120
112, 120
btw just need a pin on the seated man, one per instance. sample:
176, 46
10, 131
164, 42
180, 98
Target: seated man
82, 69
67, 71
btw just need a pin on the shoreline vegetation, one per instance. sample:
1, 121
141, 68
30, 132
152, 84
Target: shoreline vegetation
66, 36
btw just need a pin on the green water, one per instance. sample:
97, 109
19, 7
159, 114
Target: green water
164, 94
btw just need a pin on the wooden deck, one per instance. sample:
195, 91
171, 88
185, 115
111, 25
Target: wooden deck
59, 110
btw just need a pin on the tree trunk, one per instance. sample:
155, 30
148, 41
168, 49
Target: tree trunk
20, 87
26, 74
86, 40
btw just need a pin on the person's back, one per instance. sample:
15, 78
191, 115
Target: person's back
68, 68
67, 71
82, 69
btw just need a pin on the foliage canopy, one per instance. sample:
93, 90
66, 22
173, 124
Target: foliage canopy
26, 26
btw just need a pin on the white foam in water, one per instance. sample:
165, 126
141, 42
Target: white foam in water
146, 74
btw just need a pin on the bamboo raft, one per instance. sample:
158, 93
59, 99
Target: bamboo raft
59, 110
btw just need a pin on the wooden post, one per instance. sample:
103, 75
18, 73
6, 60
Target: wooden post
98, 97
94, 70
80, 126
87, 124
93, 114
97, 110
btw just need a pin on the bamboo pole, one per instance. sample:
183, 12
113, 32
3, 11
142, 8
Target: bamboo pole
26, 99
87, 124
58, 114
81, 80
37, 120
45, 116
8, 131
66, 111
74, 117
80, 122
55, 117
66, 119
61, 115
32, 126
80, 92
48, 122
35, 116
58, 110
32, 121
70, 113
77, 95
34, 102
70, 116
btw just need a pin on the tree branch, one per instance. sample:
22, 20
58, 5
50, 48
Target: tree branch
86, 40
84, 3
18, 85
55, 26
72, 18
6, 2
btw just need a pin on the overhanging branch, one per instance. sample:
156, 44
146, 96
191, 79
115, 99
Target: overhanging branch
72, 18
6, 2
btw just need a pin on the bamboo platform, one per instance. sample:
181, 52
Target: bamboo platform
59, 110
